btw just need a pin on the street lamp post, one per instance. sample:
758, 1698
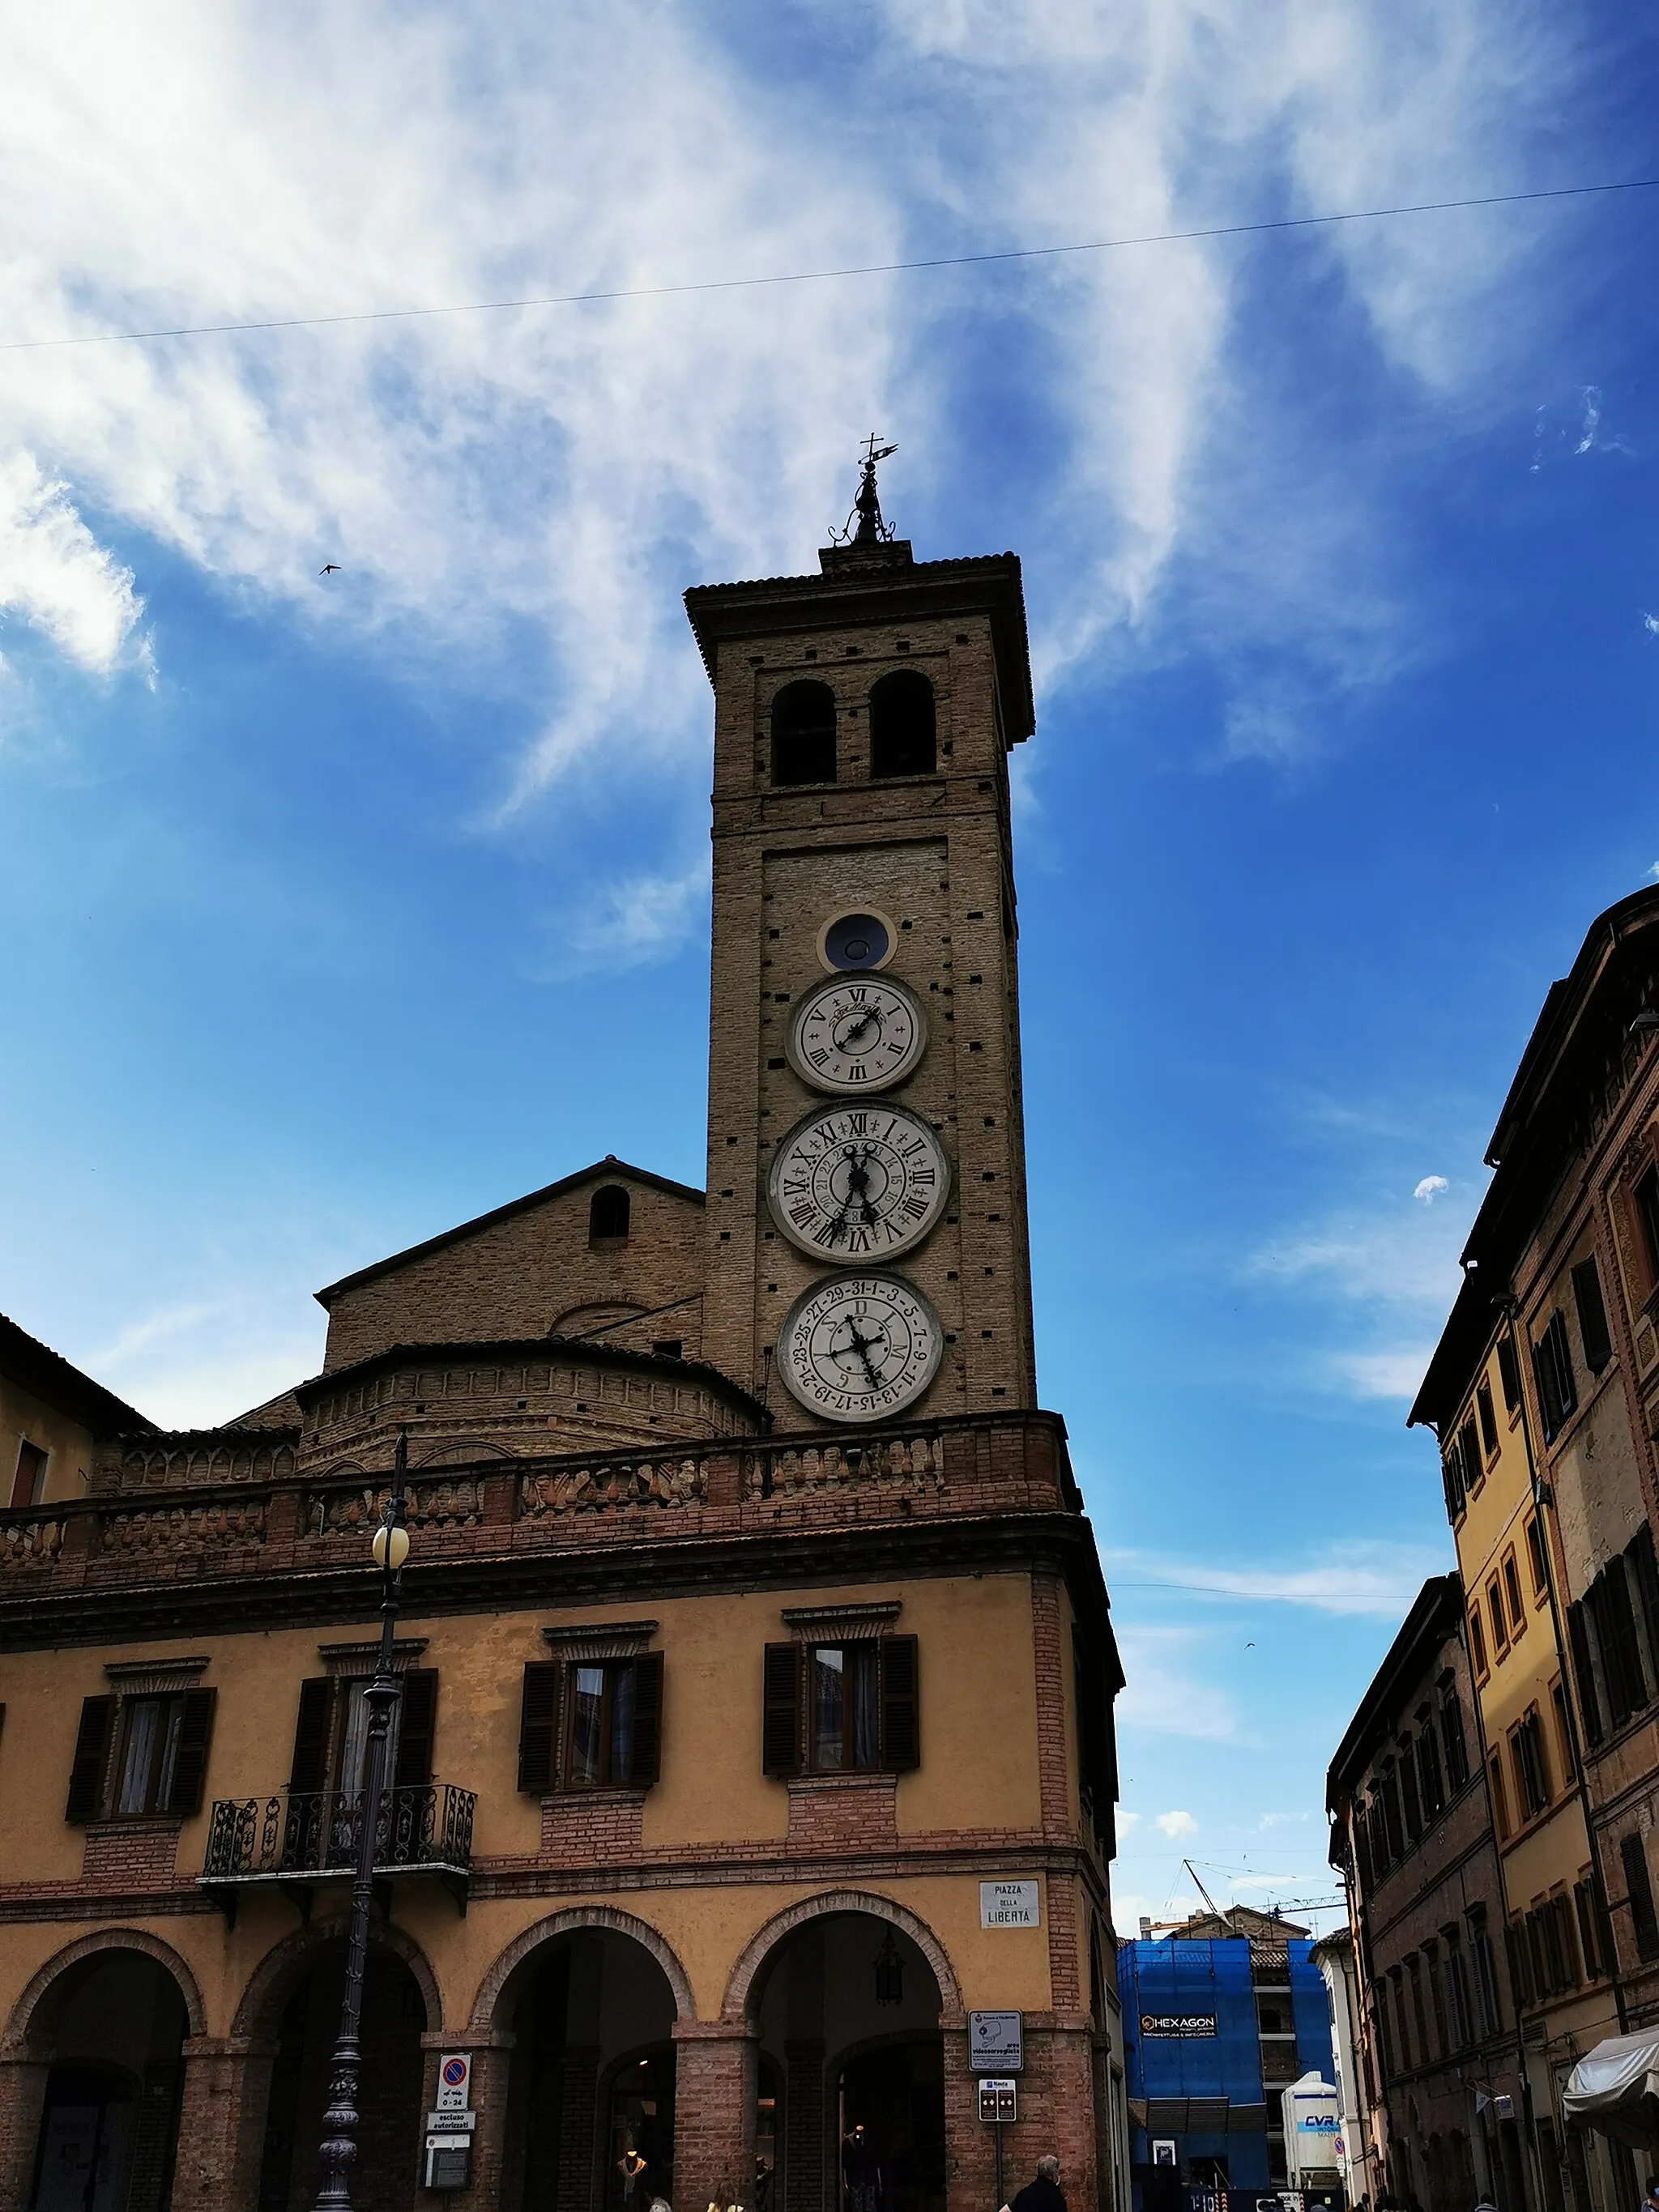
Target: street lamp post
339, 2144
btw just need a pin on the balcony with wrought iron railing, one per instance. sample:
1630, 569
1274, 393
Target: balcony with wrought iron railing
298, 1838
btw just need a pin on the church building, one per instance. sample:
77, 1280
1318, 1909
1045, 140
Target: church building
755, 1729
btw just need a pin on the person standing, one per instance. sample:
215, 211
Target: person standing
1043, 2194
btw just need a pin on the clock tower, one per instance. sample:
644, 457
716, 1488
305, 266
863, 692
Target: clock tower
867, 1246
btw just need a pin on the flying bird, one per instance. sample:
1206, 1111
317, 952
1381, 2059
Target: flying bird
328, 568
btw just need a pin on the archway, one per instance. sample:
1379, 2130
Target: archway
110, 2023
303, 1989
591, 1999
848, 2006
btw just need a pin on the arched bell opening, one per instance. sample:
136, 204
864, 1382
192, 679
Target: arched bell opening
384, 2174
114, 2026
590, 2124
847, 2010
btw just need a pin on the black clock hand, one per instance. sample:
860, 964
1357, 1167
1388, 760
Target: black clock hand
861, 1345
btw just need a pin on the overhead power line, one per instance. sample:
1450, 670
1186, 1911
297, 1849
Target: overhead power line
825, 276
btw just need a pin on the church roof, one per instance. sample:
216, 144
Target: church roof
606, 1169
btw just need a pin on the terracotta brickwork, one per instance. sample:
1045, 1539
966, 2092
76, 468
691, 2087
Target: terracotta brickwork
593, 1827
843, 1813
123, 1855
529, 1269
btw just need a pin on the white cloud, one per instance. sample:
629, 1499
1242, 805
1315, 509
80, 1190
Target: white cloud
1282, 1820
559, 472
1650, 624
1126, 1822
1355, 1578
55, 575
1429, 1188
1164, 1695
1177, 1824
624, 924
1396, 1373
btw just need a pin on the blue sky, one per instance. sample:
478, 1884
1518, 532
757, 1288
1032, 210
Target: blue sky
337, 911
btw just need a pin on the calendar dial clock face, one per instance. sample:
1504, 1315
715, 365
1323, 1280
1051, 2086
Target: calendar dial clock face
857, 1033
858, 1180
860, 1348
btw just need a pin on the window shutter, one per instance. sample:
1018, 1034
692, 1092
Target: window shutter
86, 1789
901, 1732
1592, 1315
190, 1767
538, 1723
309, 1770
647, 1720
417, 1717
780, 1710
1589, 1704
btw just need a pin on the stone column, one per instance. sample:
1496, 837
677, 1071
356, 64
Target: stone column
491, 2053
23, 2099
223, 2105
715, 2092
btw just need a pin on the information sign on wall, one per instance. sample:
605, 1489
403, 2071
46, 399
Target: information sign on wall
996, 2042
1009, 1905
1177, 2023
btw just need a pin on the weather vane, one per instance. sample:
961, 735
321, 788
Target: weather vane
864, 525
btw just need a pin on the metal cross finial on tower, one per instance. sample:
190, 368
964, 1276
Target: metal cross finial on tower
870, 529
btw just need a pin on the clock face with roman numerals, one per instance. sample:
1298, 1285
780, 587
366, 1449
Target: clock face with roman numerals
858, 1179
857, 1033
860, 1348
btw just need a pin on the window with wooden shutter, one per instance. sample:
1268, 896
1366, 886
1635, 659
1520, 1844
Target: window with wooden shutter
1583, 1672
417, 1717
780, 1729
538, 1727
901, 1723
86, 1789
190, 1760
311, 1730
647, 1762
1593, 1331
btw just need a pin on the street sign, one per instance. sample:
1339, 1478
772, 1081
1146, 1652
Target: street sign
998, 2102
451, 2123
1009, 1905
996, 2042
455, 2083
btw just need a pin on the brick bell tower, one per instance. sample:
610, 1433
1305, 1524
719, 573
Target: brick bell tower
867, 1241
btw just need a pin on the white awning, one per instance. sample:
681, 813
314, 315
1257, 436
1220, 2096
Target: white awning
1615, 2089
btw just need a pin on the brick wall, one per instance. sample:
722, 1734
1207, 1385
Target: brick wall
516, 1277
836, 1812
597, 1826
123, 1855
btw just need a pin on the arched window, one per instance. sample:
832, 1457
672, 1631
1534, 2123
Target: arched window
803, 734
607, 1215
902, 726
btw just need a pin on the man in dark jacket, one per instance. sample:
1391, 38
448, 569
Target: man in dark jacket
1043, 2195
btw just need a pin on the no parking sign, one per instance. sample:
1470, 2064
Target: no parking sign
455, 2083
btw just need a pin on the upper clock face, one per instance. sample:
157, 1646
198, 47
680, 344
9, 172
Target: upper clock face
858, 1179
857, 1033
860, 1348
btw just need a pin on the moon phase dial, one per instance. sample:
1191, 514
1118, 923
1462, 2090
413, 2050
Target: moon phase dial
857, 1033
860, 1348
858, 1180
